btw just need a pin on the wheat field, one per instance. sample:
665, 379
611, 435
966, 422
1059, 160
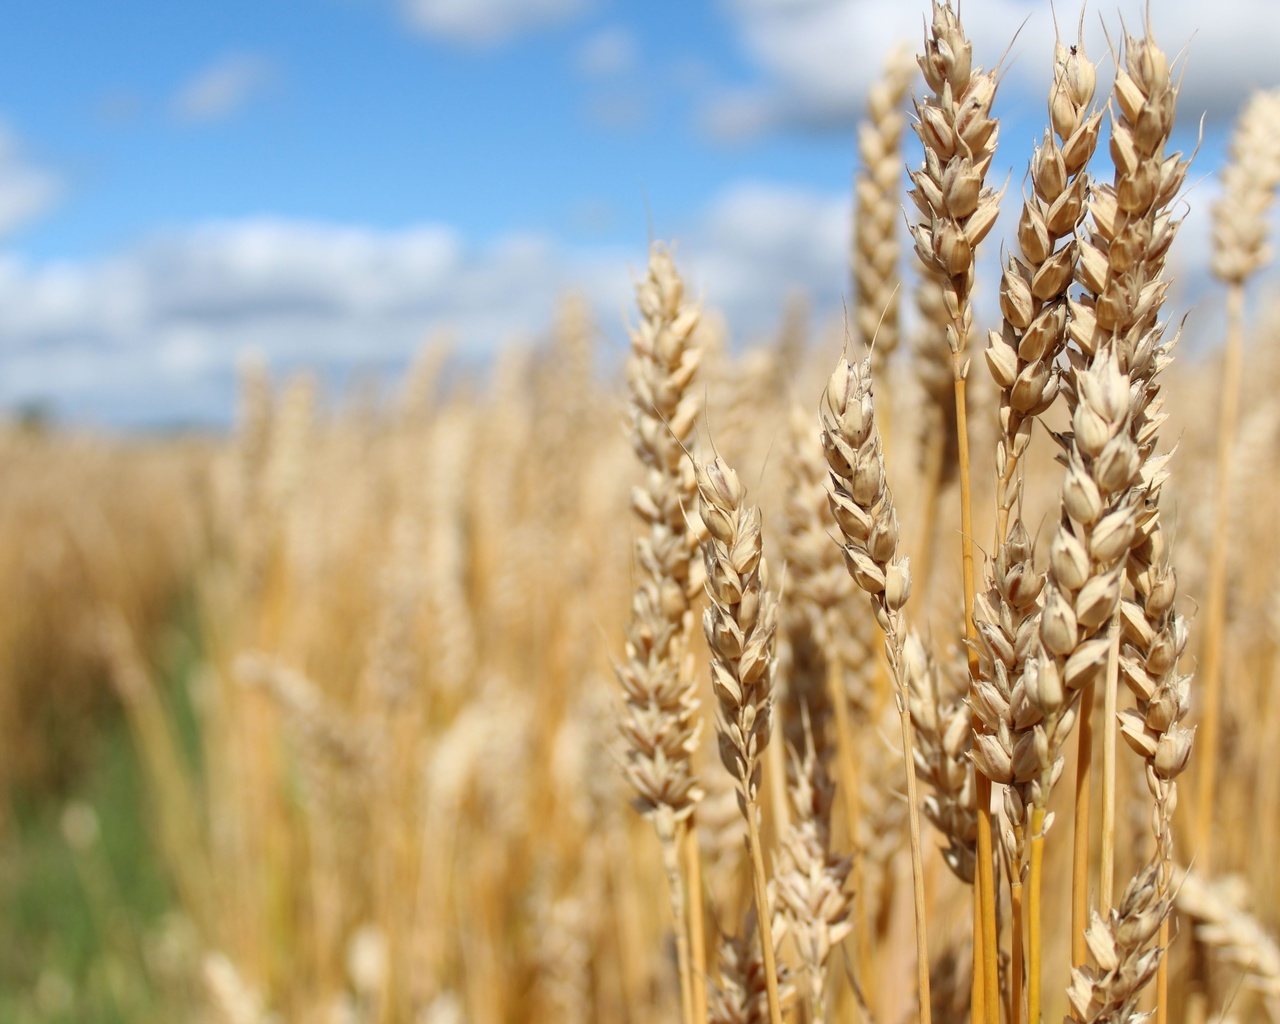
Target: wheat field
917, 665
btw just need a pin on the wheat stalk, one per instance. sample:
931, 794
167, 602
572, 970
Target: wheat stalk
958, 209
863, 508
1250, 178
660, 718
740, 624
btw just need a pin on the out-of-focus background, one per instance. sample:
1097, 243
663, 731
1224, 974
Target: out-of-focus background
312, 323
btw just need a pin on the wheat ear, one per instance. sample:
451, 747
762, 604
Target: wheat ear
740, 623
1034, 287
863, 508
958, 209
1120, 943
1119, 349
660, 721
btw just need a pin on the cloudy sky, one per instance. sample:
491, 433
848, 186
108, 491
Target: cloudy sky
327, 181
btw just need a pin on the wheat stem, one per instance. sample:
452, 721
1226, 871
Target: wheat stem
671, 848
1215, 612
1017, 964
763, 914
917, 868
1107, 869
1034, 946
697, 923
1080, 835
984, 888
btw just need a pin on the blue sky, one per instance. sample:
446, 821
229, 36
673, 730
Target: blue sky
327, 181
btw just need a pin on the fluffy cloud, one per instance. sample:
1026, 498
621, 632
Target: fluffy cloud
223, 88
817, 57
26, 190
152, 335
486, 21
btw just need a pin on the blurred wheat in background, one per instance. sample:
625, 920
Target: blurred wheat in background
837, 679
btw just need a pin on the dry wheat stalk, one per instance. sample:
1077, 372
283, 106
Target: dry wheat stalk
740, 623
1113, 476
862, 505
958, 210
1022, 358
1249, 181
878, 209
1250, 178
1013, 746
660, 719
810, 883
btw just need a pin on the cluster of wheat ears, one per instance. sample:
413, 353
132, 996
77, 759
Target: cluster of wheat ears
420, 718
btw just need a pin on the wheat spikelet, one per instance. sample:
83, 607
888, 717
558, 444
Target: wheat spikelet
1130, 227
740, 623
1112, 479
1154, 639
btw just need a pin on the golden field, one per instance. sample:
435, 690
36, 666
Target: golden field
569, 691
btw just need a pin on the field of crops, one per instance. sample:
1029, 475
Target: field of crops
915, 665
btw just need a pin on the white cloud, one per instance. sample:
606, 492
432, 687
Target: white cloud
486, 21
152, 334
758, 242
608, 53
819, 56
223, 88
26, 190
